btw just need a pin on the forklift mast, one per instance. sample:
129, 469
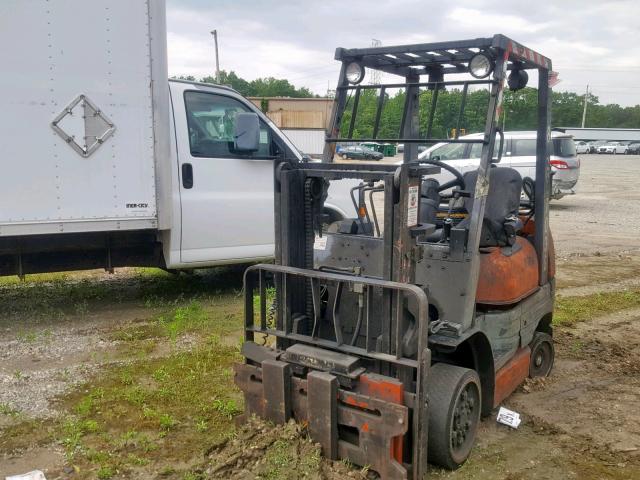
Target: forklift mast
361, 303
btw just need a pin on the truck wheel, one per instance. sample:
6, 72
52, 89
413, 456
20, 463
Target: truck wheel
542, 355
454, 413
344, 156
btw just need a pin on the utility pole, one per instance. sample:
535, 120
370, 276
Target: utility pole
584, 110
375, 75
215, 41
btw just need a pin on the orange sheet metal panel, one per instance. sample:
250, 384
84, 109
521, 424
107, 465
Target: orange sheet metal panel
528, 231
509, 377
387, 389
507, 279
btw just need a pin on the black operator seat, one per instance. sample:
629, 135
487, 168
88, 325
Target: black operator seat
501, 222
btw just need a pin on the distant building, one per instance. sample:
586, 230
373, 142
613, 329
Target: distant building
609, 134
303, 120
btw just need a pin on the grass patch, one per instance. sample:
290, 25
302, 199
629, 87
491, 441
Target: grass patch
62, 294
569, 310
154, 410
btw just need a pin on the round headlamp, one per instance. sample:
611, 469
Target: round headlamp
480, 65
354, 73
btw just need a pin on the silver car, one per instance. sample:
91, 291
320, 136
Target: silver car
519, 152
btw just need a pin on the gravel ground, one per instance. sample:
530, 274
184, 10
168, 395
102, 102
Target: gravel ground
604, 215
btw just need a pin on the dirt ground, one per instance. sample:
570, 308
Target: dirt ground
583, 422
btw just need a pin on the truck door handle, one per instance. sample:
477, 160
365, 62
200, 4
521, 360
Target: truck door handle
187, 175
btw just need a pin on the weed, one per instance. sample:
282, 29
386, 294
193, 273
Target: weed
278, 459
8, 410
166, 471
72, 437
27, 337
105, 473
89, 426
201, 425
193, 476
167, 422
85, 406
126, 378
134, 459
160, 375
97, 456
148, 412
135, 395
226, 408
97, 393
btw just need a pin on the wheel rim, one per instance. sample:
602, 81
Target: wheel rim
465, 418
541, 360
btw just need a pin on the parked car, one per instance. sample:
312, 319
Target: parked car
582, 147
519, 153
634, 148
593, 146
613, 148
360, 153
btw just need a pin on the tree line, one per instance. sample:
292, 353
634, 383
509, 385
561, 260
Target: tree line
519, 107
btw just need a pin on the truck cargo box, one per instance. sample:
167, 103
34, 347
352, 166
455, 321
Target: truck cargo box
78, 142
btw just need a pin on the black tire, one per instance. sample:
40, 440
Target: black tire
542, 355
454, 413
344, 156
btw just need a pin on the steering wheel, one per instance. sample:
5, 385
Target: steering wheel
458, 180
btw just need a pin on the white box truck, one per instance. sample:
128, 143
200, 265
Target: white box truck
106, 163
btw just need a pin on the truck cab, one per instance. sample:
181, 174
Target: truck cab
223, 199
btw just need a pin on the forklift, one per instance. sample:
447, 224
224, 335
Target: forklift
394, 331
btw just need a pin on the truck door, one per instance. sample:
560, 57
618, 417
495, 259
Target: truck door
226, 198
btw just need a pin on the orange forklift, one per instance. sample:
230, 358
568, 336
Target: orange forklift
394, 331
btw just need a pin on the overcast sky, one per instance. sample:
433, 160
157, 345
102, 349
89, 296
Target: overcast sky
590, 42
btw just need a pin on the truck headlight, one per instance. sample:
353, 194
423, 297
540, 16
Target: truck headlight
354, 73
480, 65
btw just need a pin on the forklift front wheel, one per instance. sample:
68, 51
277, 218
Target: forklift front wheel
454, 413
542, 355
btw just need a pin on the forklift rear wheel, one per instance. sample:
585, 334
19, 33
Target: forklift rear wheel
454, 413
542, 355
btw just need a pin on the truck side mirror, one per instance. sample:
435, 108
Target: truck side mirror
246, 135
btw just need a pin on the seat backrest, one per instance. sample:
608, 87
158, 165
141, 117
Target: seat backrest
501, 208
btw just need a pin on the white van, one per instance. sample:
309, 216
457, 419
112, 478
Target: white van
518, 152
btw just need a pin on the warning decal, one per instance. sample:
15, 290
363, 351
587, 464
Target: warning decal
412, 207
